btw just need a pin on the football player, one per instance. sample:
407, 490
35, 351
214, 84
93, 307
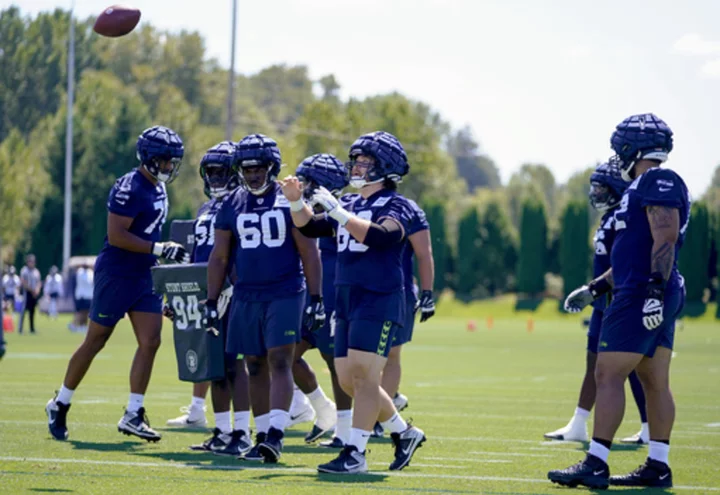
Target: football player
269, 294
648, 294
370, 228
137, 208
220, 178
606, 189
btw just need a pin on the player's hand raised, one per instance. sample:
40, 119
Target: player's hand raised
426, 305
314, 317
578, 299
171, 251
325, 199
292, 188
211, 317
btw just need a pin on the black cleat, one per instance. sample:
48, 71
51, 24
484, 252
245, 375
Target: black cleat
350, 461
271, 448
137, 423
315, 434
653, 474
57, 418
254, 454
335, 443
592, 472
239, 445
217, 441
406, 443
378, 431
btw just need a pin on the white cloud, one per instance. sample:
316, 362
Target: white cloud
711, 69
693, 44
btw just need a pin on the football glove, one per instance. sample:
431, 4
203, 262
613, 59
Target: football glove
325, 199
171, 251
168, 312
426, 305
578, 299
211, 317
314, 317
654, 305
224, 301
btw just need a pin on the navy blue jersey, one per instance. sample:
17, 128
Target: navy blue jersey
267, 262
375, 269
328, 256
418, 222
204, 230
632, 250
602, 243
134, 196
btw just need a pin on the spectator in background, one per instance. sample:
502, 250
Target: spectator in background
53, 289
31, 284
11, 287
84, 282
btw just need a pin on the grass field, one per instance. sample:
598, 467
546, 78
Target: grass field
484, 399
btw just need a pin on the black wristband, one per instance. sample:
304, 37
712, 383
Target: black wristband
315, 298
599, 287
211, 303
656, 286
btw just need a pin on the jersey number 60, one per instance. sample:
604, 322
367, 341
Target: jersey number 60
251, 236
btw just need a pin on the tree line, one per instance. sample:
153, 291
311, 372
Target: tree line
530, 235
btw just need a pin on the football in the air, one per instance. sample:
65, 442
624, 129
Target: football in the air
117, 20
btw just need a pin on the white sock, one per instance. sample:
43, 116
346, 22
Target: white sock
344, 423
645, 431
298, 400
222, 422
318, 399
135, 402
659, 451
242, 421
359, 438
279, 419
395, 424
262, 423
198, 403
65, 395
599, 450
580, 417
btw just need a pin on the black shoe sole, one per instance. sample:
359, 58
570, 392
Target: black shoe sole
315, 435
640, 484
595, 483
132, 434
59, 439
407, 462
270, 455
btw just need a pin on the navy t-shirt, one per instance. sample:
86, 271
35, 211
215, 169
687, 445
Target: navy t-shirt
602, 243
267, 262
632, 249
418, 223
134, 196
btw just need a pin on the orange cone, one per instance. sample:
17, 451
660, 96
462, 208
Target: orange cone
8, 324
489, 322
530, 325
471, 326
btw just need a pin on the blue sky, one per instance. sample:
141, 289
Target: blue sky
538, 81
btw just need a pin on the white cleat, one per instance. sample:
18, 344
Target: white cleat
325, 422
638, 438
570, 433
400, 401
192, 417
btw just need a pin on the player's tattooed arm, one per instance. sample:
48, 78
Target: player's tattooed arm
665, 229
422, 247
310, 257
607, 277
217, 263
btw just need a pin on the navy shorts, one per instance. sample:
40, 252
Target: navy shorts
114, 296
322, 340
365, 320
623, 330
256, 326
404, 333
593, 334
54, 295
82, 304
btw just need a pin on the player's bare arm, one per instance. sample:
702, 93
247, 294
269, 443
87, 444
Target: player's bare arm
310, 256
665, 229
422, 247
218, 262
292, 189
119, 235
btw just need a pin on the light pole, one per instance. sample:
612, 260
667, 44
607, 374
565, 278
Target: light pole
231, 82
67, 227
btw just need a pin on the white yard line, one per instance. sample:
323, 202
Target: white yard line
175, 465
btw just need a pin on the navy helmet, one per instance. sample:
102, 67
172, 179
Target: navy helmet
391, 161
323, 170
218, 171
606, 186
257, 150
159, 143
643, 136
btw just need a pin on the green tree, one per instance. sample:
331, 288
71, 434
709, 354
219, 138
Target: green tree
468, 253
532, 179
477, 169
496, 250
533, 247
435, 213
574, 245
695, 253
